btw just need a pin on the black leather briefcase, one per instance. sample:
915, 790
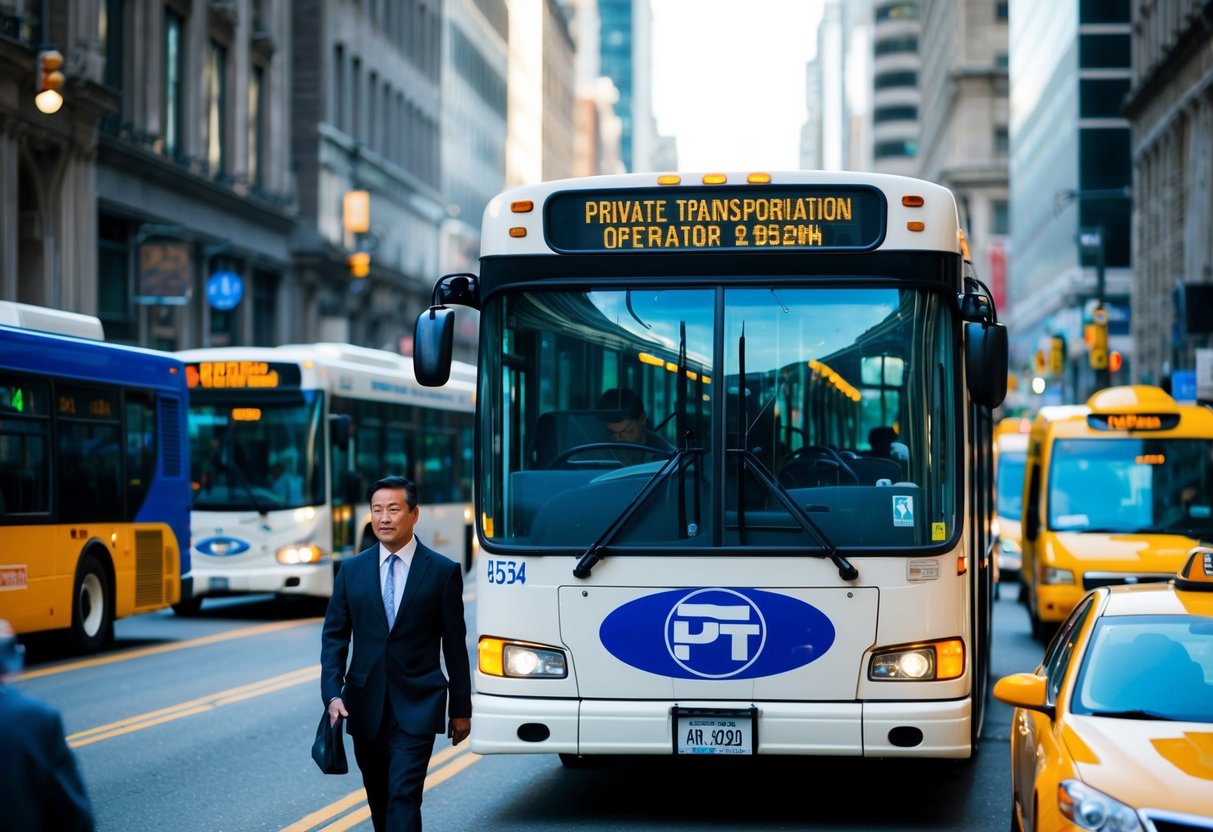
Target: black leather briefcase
328, 750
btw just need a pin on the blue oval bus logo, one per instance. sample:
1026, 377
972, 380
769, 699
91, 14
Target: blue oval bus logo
717, 633
221, 546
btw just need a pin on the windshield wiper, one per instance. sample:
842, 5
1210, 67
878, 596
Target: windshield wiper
749, 462
597, 551
1135, 713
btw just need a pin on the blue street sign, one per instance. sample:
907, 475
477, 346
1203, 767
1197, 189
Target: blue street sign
224, 290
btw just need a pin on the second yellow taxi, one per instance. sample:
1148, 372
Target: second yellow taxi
1114, 730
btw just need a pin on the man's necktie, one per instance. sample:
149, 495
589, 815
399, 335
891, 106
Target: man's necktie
389, 591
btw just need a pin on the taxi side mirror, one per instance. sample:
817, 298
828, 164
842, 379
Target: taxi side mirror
1025, 690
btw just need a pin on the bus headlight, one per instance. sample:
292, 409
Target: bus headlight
498, 657
303, 553
932, 662
1053, 576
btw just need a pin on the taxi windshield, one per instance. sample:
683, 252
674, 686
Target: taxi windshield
1132, 485
1148, 666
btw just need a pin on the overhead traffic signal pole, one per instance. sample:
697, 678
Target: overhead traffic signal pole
1091, 240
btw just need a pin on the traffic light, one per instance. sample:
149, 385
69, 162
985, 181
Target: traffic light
356, 212
1057, 355
360, 263
1115, 361
48, 97
1099, 346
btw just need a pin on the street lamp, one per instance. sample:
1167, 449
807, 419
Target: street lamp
47, 96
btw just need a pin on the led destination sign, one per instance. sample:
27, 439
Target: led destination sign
239, 375
1133, 421
694, 219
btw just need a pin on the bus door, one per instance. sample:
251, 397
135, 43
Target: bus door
346, 486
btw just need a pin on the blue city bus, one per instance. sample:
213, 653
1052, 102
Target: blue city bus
94, 477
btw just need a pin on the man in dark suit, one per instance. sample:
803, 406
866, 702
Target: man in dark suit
40, 786
394, 695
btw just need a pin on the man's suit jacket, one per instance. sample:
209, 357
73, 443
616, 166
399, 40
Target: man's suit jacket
40, 784
403, 664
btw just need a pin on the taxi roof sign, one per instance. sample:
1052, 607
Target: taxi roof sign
1197, 572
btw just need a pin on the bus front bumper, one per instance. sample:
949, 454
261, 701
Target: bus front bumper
614, 727
213, 577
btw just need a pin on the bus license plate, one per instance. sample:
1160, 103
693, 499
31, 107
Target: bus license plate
706, 731
218, 584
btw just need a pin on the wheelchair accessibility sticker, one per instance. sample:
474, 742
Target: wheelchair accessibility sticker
903, 510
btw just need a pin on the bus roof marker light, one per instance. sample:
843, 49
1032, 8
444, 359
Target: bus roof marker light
913, 201
522, 206
916, 225
715, 179
669, 179
517, 231
758, 179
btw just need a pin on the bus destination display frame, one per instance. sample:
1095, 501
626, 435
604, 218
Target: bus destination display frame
748, 217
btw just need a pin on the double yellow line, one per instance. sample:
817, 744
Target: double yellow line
194, 706
352, 810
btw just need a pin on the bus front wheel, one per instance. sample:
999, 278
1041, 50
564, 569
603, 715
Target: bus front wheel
92, 605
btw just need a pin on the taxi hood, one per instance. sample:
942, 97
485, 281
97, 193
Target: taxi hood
1120, 552
1146, 763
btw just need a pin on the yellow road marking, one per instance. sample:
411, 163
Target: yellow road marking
194, 706
217, 638
444, 765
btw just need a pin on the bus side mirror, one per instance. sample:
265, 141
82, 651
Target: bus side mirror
433, 342
986, 362
339, 430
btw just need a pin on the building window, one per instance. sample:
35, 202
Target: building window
896, 149
1002, 10
1002, 141
897, 46
113, 280
338, 98
170, 111
255, 124
897, 11
1100, 51
898, 112
1000, 219
265, 301
900, 78
1102, 97
216, 108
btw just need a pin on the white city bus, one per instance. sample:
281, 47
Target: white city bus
797, 560
283, 444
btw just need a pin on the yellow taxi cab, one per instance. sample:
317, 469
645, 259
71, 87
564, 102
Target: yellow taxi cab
1116, 491
1114, 730
1010, 455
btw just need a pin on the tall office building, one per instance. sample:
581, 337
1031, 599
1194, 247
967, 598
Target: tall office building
626, 31
1170, 109
1070, 170
895, 90
963, 140
837, 132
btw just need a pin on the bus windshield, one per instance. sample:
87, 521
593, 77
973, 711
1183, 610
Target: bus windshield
261, 456
1132, 485
767, 416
